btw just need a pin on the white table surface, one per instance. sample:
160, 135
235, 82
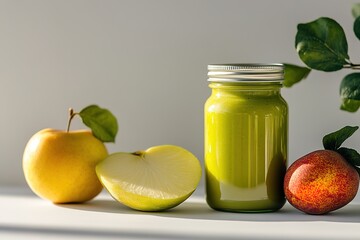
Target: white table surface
25, 216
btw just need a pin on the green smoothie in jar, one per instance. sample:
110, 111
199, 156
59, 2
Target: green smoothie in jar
246, 130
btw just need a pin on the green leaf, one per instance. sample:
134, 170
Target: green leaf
351, 155
356, 13
355, 10
356, 27
350, 92
101, 121
350, 87
349, 105
294, 74
333, 141
322, 45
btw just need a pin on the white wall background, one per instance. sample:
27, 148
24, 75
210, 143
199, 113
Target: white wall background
146, 61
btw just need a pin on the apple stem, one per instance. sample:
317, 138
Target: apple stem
71, 116
139, 153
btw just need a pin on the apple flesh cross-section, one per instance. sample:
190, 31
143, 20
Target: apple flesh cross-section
156, 179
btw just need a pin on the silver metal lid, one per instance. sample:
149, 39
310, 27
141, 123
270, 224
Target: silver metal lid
247, 72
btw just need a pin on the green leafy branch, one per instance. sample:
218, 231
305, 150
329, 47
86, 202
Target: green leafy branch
322, 45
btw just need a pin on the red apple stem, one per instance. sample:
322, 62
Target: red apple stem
71, 116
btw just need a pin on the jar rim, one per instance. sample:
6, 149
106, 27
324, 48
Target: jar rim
246, 72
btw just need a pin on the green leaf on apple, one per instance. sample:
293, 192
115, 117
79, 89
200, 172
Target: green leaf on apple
352, 155
101, 121
333, 141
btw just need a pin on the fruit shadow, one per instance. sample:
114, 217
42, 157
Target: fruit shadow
201, 211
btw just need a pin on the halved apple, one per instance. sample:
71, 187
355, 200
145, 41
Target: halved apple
156, 179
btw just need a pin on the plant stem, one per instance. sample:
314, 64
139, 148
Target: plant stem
352, 66
71, 116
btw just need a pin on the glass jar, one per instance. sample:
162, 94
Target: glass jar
246, 131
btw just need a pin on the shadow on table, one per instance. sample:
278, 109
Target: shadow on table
200, 210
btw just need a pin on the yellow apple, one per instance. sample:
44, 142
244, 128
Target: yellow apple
60, 165
156, 179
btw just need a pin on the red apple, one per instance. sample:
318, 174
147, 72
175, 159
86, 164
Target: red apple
320, 182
